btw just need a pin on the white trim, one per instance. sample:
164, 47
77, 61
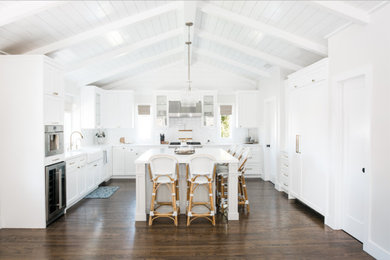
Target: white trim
376, 251
335, 220
274, 100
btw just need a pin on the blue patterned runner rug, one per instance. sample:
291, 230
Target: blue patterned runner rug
103, 192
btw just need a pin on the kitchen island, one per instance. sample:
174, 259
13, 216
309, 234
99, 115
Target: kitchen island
143, 182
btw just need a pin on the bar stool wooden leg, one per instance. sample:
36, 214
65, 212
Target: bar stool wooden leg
189, 213
211, 203
152, 204
173, 191
245, 193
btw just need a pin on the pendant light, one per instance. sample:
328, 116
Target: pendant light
188, 99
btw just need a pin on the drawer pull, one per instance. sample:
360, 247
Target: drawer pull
56, 159
285, 184
71, 163
285, 174
55, 93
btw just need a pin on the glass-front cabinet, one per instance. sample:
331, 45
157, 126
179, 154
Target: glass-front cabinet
208, 111
161, 111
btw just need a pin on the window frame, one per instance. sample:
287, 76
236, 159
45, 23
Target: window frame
230, 138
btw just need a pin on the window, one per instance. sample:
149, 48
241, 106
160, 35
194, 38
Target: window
144, 123
225, 112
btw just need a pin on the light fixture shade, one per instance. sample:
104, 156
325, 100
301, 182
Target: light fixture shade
188, 98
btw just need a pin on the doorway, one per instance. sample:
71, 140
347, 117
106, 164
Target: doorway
270, 140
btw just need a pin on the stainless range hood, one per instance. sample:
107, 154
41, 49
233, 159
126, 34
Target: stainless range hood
177, 110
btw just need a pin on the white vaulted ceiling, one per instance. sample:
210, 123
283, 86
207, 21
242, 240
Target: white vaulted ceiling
116, 43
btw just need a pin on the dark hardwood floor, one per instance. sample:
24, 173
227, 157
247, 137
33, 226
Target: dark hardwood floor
276, 228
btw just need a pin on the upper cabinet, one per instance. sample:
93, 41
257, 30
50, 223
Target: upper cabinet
53, 85
209, 109
247, 107
161, 110
53, 79
90, 99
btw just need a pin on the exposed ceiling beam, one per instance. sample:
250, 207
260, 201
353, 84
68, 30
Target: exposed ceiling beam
120, 70
104, 29
233, 63
345, 10
123, 82
125, 50
267, 29
23, 9
249, 51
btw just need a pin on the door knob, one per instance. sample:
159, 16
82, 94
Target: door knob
268, 145
363, 170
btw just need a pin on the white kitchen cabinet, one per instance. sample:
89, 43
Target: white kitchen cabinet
118, 160
53, 110
71, 182
247, 109
107, 167
94, 174
53, 79
254, 164
209, 110
308, 135
161, 106
123, 160
75, 180
90, 100
117, 109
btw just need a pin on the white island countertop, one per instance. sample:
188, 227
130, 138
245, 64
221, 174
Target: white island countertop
220, 155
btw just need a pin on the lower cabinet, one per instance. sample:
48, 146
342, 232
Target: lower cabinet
123, 161
82, 178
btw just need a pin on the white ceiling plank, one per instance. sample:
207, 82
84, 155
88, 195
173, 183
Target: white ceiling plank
23, 9
123, 82
123, 50
104, 29
234, 63
345, 10
131, 66
267, 29
250, 51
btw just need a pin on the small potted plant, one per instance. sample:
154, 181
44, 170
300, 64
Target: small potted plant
100, 137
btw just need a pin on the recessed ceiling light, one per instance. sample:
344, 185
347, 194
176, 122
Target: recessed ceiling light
115, 38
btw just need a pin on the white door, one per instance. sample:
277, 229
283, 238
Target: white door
270, 154
356, 140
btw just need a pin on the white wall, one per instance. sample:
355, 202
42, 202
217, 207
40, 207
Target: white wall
353, 48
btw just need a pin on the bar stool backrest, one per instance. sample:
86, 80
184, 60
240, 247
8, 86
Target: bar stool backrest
163, 164
244, 158
232, 149
201, 164
240, 149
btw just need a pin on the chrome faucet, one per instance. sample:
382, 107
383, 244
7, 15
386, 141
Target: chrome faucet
71, 135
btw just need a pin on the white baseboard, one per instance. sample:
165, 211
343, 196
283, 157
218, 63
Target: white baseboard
123, 177
376, 251
253, 176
